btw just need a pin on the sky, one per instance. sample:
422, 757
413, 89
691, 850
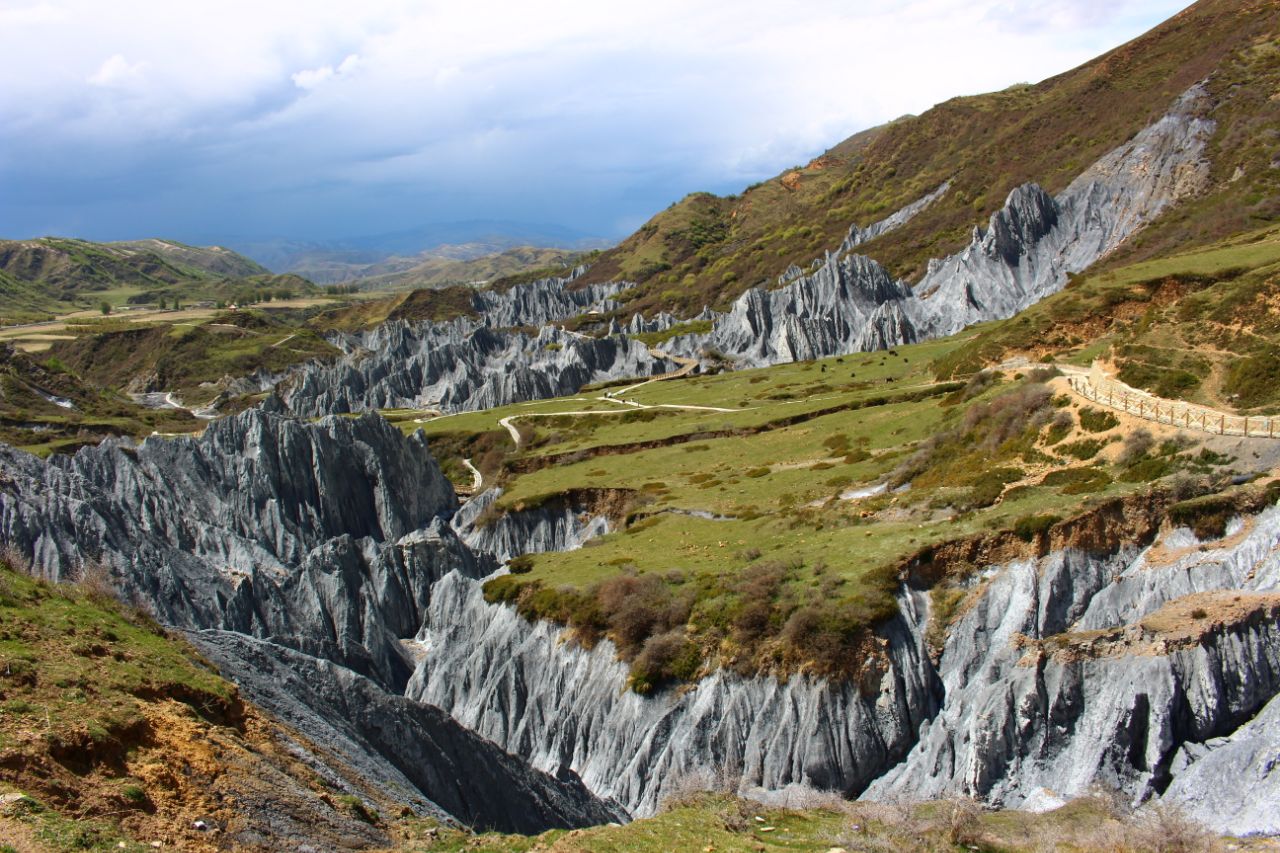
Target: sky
202, 120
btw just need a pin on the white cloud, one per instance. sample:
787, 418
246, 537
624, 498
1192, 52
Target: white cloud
116, 71
22, 16
310, 78
555, 104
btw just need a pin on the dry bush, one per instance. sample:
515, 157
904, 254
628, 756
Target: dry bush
693, 786
963, 818
15, 558
1137, 445
1164, 828
95, 580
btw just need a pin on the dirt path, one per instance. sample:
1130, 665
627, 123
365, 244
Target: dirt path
686, 367
1095, 385
477, 479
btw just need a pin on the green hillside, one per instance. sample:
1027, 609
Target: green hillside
48, 276
764, 519
1202, 325
706, 249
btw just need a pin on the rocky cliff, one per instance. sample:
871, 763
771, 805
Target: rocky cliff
847, 303
523, 687
463, 365
320, 539
559, 527
1139, 669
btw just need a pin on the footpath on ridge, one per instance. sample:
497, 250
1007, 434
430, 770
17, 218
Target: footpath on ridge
1097, 386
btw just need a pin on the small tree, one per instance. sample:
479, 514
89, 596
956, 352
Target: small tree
160, 303
105, 307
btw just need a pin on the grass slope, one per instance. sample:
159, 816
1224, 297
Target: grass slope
1202, 325
445, 272
40, 278
754, 537
717, 822
46, 408
190, 359
116, 735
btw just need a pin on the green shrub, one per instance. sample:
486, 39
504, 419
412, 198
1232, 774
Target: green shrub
1137, 445
1059, 427
521, 565
1029, 527
1077, 481
1207, 516
1253, 380
1096, 420
1083, 449
665, 658
989, 485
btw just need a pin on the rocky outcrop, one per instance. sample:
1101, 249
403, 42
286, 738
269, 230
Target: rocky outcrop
846, 303
559, 527
1035, 241
1018, 719
463, 365
556, 704
324, 536
1057, 675
1247, 758
394, 743
303, 556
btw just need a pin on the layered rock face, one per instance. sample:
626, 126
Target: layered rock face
1031, 245
847, 303
1062, 673
403, 744
474, 363
463, 365
553, 528
322, 540
1111, 700
523, 687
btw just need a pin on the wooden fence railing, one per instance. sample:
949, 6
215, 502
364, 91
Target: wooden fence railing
1117, 395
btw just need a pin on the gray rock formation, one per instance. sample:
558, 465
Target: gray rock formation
1031, 245
1232, 784
553, 528
847, 303
523, 687
324, 536
325, 539
989, 719
1015, 722
402, 744
463, 365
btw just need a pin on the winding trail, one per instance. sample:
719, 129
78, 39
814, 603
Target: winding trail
477, 479
1097, 386
686, 367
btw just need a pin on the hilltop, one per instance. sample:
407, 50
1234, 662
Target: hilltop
50, 276
705, 250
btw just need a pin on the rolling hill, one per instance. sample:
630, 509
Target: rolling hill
705, 250
51, 275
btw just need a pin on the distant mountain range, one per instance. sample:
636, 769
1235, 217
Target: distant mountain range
349, 259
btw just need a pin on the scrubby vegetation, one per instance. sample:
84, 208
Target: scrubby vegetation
722, 560
701, 816
705, 250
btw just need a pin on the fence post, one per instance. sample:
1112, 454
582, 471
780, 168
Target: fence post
1246, 426
1222, 424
